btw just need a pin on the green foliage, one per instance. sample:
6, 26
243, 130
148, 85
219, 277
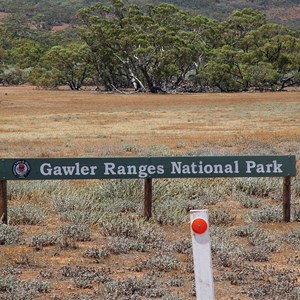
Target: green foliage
25, 53
154, 47
62, 65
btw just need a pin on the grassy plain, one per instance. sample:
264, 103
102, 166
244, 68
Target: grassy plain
62, 123
116, 255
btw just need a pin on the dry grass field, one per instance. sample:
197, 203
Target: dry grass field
88, 240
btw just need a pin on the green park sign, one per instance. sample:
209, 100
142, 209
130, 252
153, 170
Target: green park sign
147, 167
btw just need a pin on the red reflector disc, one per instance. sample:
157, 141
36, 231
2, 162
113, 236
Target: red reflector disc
199, 225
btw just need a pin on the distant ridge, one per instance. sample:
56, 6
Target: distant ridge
286, 12
55, 12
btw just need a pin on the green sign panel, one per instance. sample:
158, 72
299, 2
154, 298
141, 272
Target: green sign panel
147, 167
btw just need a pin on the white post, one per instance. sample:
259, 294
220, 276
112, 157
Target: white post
202, 255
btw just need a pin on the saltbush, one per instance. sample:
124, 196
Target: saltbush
9, 234
26, 214
77, 232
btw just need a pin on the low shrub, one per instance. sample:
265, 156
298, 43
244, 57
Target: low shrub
12, 288
183, 245
163, 262
84, 276
248, 201
266, 214
258, 186
9, 234
292, 237
97, 254
280, 285
128, 226
26, 214
125, 245
263, 239
132, 288
43, 240
77, 232
221, 216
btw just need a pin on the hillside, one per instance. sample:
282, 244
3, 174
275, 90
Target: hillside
54, 12
286, 12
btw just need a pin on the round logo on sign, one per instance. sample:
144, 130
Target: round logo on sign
21, 169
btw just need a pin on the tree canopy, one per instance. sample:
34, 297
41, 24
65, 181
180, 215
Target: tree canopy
152, 48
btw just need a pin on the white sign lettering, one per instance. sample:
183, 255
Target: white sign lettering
273, 167
179, 168
47, 169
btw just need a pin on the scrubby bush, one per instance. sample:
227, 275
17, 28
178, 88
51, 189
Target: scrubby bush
258, 186
162, 262
26, 214
12, 288
9, 234
127, 226
132, 288
266, 214
96, 254
84, 277
221, 216
183, 245
292, 237
43, 240
77, 232
124, 245
248, 201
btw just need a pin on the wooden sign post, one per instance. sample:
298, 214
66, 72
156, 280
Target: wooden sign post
286, 199
148, 198
3, 201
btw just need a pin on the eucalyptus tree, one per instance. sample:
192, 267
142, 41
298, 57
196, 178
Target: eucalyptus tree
240, 23
151, 47
273, 46
63, 65
25, 53
253, 54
